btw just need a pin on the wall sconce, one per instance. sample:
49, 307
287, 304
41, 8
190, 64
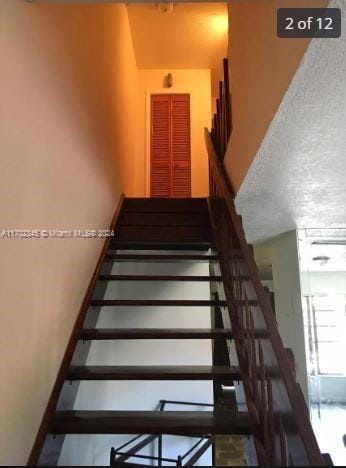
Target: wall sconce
168, 81
165, 7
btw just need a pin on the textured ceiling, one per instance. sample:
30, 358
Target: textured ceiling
193, 35
298, 177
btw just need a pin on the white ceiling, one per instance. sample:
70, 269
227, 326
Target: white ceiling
193, 35
298, 178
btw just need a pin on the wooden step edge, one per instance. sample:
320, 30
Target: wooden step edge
152, 245
203, 225
159, 333
210, 279
166, 303
150, 422
156, 302
186, 373
159, 257
165, 205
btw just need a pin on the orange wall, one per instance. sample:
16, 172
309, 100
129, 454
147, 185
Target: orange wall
197, 84
262, 67
67, 91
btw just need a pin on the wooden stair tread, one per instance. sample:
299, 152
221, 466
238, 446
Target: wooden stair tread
160, 257
153, 373
154, 333
157, 302
165, 205
164, 233
159, 245
159, 278
150, 422
165, 219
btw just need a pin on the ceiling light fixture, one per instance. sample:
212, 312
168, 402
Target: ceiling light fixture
322, 259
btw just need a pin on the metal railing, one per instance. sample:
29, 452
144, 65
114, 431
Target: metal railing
119, 457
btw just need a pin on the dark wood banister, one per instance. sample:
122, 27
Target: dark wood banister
223, 190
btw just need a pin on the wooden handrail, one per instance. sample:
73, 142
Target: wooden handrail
289, 427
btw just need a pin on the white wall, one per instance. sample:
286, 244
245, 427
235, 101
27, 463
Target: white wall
288, 301
133, 395
323, 282
325, 388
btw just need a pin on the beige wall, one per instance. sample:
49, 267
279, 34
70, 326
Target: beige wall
262, 67
195, 82
67, 88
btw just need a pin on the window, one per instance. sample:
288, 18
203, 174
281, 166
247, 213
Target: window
325, 333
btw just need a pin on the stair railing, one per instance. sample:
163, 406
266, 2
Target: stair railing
222, 119
278, 414
120, 458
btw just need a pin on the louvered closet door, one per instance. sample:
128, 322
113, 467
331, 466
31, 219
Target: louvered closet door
170, 146
181, 160
160, 143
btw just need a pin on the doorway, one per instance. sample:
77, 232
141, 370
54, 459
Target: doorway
170, 158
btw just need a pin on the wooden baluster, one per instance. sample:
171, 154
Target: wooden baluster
241, 293
235, 285
271, 421
240, 307
237, 290
218, 135
225, 136
263, 407
248, 341
254, 362
222, 122
228, 110
217, 128
241, 310
283, 442
211, 182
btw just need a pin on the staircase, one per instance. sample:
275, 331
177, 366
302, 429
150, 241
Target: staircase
267, 406
164, 231
162, 227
